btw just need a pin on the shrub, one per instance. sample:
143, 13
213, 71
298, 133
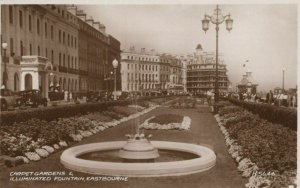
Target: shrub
271, 146
229, 109
281, 115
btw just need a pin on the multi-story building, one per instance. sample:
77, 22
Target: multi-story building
97, 50
140, 70
201, 73
52, 46
39, 38
174, 73
164, 72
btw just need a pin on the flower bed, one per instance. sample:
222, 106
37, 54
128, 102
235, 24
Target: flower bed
259, 146
284, 116
35, 139
186, 102
167, 122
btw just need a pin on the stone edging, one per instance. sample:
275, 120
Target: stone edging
245, 165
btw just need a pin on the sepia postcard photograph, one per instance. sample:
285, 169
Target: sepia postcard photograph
150, 93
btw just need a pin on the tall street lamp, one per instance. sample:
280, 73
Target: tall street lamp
4, 46
115, 65
217, 18
283, 70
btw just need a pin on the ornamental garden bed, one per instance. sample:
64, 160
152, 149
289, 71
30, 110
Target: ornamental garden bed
35, 139
186, 102
259, 147
275, 114
167, 122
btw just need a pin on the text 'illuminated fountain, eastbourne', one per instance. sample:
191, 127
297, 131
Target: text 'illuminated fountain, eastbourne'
139, 157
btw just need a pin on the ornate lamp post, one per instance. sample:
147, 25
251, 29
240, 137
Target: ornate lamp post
4, 46
283, 70
115, 65
217, 18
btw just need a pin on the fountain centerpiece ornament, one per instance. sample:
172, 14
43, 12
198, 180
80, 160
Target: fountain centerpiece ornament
138, 149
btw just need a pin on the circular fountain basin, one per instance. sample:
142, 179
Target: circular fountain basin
205, 161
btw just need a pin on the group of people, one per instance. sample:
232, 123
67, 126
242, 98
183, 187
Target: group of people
281, 99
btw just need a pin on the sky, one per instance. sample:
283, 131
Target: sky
263, 34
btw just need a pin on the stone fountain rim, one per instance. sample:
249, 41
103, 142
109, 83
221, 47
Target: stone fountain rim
174, 168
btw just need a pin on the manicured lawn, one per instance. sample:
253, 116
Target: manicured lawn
166, 119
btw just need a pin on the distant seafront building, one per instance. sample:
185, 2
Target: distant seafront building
139, 70
247, 84
201, 72
143, 70
56, 39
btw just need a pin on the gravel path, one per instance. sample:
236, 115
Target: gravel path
204, 130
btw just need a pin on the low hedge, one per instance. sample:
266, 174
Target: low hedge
54, 112
285, 116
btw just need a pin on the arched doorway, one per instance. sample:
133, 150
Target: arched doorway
28, 82
16, 82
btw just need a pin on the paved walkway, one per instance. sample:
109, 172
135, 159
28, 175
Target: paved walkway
204, 131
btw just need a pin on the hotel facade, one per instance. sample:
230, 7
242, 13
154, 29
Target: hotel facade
54, 46
201, 73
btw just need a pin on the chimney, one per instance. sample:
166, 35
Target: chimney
96, 25
90, 21
72, 9
80, 14
102, 28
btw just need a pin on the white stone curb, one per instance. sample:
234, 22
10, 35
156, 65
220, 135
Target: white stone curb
244, 164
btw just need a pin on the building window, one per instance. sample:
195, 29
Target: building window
30, 49
75, 42
21, 18
39, 51
52, 56
59, 36
21, 48
46, 52
29, 22
38, 26
72, 41
59, 59
46, 28
128, 66
68, 61
11, 46
64, 60
11, 15
72, 62
68, 40
52, 32
63, 37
